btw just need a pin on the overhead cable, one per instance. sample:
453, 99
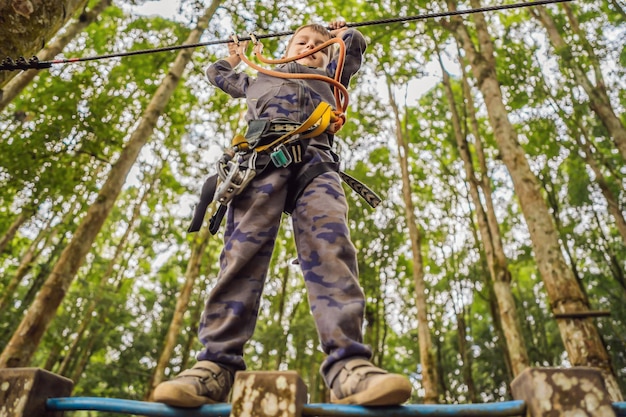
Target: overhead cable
34, 63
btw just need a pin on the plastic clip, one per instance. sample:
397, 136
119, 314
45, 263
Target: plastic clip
281, 157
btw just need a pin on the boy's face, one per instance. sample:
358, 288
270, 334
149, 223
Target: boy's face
305, 40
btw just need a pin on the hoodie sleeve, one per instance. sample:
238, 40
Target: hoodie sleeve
355, 48
224, 77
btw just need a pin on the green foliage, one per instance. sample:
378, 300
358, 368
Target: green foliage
578, 183
59, 139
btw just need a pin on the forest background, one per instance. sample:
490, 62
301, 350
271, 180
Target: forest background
500, 243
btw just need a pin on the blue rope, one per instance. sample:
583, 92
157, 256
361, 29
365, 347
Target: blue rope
498, 409
620, 409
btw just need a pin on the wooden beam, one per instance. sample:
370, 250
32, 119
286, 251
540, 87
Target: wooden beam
582, 314
24, 391
578, 391
268, 394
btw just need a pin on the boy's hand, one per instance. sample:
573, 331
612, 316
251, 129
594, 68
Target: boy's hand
233, 48
233, 52
337, 27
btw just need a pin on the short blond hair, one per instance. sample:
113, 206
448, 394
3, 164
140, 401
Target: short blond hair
315, 27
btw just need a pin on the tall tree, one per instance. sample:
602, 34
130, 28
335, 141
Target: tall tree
580, 335
490, 236
96, 302
599, 100
45, 235
427, 357
198, 250
15, 225
25, 340
583, 142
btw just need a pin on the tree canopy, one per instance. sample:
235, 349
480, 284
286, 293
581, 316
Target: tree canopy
497, 142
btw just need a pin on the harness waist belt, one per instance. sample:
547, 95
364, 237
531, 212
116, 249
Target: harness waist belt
262, 132
284, 127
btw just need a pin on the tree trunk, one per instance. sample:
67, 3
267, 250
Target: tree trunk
35, 285
101, 288
579, 132
498, 270
282, 344
611, 199
25, 340
466, 357
33, 253
13, 228
83, 359
201, 241
44, 271
14, 87
192, 336
580, 335
26, 26
516, 354
429, 370
598, 98
25, 265
53, 357
614, 260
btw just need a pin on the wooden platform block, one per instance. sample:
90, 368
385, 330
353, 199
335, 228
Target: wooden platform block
268, 394
551, 392
24, 391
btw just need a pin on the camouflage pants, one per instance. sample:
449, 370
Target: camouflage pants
326, 255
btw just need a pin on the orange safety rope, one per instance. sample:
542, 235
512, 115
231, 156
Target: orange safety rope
336, 81
340, 92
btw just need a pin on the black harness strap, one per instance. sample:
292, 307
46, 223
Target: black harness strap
206, 197
361, 189
216, 219
297, 186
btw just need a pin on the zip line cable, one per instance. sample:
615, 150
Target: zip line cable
34, 63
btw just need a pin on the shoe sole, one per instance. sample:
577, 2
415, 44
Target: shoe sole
394, 392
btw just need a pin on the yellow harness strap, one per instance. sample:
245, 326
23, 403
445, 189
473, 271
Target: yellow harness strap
240, 143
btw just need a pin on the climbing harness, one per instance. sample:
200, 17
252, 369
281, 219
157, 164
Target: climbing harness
233, 179
279, 141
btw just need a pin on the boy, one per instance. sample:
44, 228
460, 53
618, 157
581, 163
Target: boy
325, 252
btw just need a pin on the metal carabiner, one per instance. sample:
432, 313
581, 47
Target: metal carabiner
233, 179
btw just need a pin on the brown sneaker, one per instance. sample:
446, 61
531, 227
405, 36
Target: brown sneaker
205, 383
360, 382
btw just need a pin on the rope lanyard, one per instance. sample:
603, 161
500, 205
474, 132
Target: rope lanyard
340, 91
323, 116
8, 64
